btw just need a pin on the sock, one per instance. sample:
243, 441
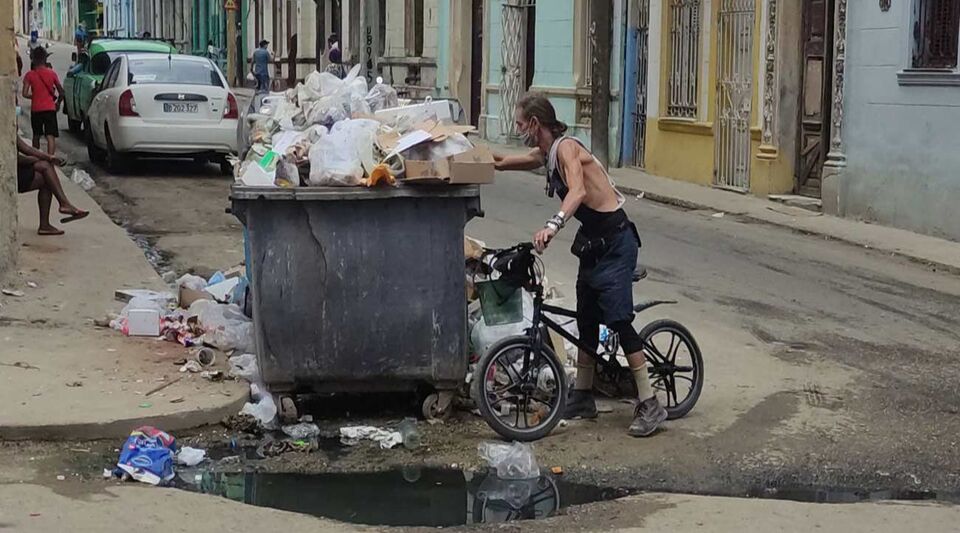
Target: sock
644, 390
584, 381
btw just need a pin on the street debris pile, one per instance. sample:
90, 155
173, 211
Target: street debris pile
511, 460
204, 312
332, 132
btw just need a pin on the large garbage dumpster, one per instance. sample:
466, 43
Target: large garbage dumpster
358, 290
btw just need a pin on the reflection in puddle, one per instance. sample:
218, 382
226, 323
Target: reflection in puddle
408, 497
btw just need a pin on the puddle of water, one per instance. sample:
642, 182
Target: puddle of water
845, 495
408, 497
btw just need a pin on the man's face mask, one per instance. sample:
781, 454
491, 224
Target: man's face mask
529, 137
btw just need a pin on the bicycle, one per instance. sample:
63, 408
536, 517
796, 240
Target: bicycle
521, 375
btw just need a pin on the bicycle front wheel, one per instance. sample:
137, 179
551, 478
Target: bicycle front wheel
521, 393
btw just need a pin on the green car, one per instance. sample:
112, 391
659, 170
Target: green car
90, 66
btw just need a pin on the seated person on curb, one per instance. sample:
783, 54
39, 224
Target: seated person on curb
35, 172
607, 244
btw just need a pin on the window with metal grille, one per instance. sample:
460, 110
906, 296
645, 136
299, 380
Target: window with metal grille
935, 34
684, 80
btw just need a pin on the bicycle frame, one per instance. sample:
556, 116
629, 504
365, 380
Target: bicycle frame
539, 318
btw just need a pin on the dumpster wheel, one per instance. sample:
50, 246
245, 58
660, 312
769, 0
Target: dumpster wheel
436, 406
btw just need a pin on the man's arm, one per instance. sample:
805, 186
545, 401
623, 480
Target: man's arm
26, 86
568, 156
528, 161
32, 153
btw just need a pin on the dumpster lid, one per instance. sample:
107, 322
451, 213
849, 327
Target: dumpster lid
243, 192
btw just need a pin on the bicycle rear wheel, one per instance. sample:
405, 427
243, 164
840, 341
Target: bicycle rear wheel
675, 365
521, 405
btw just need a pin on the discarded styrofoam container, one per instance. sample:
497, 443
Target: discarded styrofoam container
143, 323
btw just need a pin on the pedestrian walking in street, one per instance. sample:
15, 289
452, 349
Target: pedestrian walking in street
36, 172
260, 67
335, 66
41, 86
80, 38
607, 245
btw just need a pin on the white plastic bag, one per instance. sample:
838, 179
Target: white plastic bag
344, 154
262, 407
188, 456
81, 178
245, 366
512, 461
192, 282
303, 430
225, 326
382, 96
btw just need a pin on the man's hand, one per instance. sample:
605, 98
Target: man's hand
542, 239
57, 160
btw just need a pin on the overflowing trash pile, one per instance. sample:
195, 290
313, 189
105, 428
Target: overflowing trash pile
204, 312
332, 132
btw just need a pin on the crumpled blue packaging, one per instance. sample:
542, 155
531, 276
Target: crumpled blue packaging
147, 456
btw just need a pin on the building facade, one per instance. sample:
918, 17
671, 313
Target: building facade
897, 120
546, 47
720, 97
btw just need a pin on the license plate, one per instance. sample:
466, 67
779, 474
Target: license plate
180, 108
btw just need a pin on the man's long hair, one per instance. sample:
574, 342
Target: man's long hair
536, 105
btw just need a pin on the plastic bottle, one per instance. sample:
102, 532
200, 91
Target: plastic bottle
408, 430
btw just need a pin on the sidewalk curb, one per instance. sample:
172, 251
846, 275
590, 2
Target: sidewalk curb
172, 423
687, 204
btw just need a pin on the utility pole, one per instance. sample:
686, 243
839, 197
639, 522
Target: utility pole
231, 8
600, 32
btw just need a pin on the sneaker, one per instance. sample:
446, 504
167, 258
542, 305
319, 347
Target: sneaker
647, 418
580, 404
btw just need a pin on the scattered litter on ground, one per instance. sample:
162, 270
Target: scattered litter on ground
147, 456
14, 293
262, 408
245, 366
191, 366
190, 456
22, 365
161, 387
82, 178
74, 384
718, 215
179, 399
212, 375
61, 478
304, 430
352, 435
206, 357
32, 285
511, 461
409, 433
145, 405
557, 470
242, 423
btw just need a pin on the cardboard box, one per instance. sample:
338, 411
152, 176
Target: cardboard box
188, 296
471, 167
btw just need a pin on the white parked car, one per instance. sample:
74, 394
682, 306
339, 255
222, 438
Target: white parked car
162, 106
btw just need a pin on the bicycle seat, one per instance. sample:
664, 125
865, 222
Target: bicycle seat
639, 274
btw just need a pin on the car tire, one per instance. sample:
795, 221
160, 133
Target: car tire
95, 153
116, 162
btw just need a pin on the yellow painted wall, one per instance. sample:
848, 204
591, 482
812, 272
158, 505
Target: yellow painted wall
684, 149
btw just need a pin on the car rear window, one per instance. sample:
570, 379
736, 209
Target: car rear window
171, 70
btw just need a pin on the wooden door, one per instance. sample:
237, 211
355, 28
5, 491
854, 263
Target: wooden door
814, 123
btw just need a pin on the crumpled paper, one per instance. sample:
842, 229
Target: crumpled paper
352, 435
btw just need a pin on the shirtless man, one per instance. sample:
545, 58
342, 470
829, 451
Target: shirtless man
607, 244
35, 172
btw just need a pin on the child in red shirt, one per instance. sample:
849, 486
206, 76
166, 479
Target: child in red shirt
42, 86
